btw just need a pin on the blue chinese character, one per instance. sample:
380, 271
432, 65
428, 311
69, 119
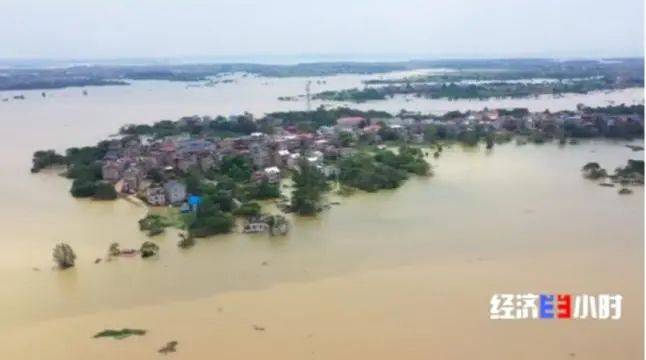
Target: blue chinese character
547, 306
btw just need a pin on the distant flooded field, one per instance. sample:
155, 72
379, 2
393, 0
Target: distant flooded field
405, 273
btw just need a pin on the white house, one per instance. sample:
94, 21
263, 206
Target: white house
272, 174
292, 161
256, 227
156, 196
175, 191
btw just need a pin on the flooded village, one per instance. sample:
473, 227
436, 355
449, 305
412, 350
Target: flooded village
218, 169
146, 183
346, 180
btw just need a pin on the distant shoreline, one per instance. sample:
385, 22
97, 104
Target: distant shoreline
41, 78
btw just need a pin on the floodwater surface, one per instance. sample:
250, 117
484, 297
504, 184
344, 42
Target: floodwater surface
405, 273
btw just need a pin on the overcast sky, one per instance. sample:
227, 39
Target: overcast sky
360, 28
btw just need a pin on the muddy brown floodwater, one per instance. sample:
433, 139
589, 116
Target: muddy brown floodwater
405, 273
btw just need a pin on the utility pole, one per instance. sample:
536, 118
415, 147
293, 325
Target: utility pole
309, 95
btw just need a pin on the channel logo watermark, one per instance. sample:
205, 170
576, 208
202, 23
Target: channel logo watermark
555, 306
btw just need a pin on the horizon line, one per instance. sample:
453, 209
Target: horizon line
295, 59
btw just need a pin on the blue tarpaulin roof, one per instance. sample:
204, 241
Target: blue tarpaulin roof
194, 200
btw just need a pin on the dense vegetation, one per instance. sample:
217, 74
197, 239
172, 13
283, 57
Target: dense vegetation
631, 174
457, 90
148, 249
36, 82
248, 209
512, 69
154, 224
83, 166
382, 170
594, 171
46, 158
312, 120
195, 125
245, 124
500, 79
309, 186
354, 95
262, 190
213, 215
616, 110
634, 167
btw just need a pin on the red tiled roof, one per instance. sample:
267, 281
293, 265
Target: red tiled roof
350, 120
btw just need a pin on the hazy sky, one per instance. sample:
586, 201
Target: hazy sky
462, 28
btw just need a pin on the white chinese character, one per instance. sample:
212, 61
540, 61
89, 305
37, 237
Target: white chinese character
604, 306
615, 305
585, 306
526, 306
580, 307
502, 307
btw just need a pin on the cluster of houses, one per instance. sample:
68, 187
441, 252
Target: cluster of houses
130, 161
595, 123
410, 126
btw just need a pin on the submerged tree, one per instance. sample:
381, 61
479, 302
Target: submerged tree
632, 173
104, 191
309, 186
64, 255
114, 249
186, 241
278, 225
490, 141
153, 224
45, 158
148, 249
593, 170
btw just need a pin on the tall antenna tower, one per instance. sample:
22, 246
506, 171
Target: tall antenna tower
308, 93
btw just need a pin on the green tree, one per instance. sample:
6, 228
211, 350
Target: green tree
490, 141
148, 249
193, 181
153, 224
431, 133
186, 241
346, 138
248, 209
104, 191
46, 158
263, 190
83, 188
593, 170
214, 223
114, 250
309, 185
64, 256
237, 168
